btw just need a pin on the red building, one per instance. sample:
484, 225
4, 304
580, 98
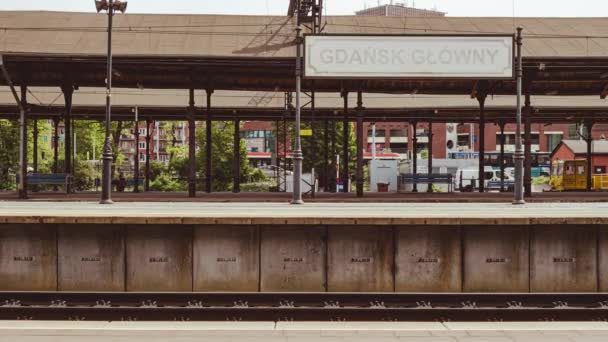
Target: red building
577, 149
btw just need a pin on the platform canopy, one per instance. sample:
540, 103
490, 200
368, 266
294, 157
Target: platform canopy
562, 56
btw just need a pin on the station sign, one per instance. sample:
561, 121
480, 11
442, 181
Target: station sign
409, 56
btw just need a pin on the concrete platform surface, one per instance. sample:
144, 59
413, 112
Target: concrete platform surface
311, 213
22, 331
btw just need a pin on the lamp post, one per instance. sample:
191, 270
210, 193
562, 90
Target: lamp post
106, 176
297, 153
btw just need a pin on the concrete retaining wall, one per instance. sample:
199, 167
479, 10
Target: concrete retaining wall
275, 258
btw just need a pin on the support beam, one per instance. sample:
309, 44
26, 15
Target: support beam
136, 155
236, 184
148, 139
68, 92
333, 157
414, 124
589, 141
35, 151
481, 98
208, 149
326, 162
313, 143
527, 146
345, 135
359, 143
56, 145
191, 146
502, 155
23, 144
430, 156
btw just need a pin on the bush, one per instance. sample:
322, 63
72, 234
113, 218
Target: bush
84, 176
540, 180
165, 182
256, 187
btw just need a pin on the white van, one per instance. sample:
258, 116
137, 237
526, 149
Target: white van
467, 179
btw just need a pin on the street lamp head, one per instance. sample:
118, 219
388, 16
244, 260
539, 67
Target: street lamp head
117, 5
120, 6
101, 5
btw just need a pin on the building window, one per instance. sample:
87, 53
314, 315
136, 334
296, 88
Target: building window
142, 145
380, 133
254, 149
142, 157
398, 133
164, 158
599, 170
143, 131
553, 140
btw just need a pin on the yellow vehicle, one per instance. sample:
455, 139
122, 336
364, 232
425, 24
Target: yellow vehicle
571, 175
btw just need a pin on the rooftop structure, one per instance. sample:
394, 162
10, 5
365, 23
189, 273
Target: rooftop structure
399, 9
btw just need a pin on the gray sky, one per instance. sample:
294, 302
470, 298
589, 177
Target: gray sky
528, 8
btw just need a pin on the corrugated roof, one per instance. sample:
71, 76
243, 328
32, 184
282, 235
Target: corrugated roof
580, 146
269, 36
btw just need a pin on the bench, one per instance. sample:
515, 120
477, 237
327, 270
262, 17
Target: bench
48, 179
495, 185
434, 178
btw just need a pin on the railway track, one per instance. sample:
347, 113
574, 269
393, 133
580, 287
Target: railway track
302, 306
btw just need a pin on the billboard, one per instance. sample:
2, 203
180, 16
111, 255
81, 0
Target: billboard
409, 56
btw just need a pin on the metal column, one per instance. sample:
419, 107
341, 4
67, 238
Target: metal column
191, 146
55, 145
326, 162
297, 151
519, 155
481, 98
236, 186
345, 135
414, 154
23, 144
359, 144
208, 132
589, 141
528, 147
148, 138
502, 156
334, 170
136, 158
430, 157
68, 92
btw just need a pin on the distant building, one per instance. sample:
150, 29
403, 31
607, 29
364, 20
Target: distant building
399, 10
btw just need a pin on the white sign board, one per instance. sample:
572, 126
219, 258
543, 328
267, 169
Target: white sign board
350, 56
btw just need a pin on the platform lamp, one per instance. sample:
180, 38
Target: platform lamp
106, 176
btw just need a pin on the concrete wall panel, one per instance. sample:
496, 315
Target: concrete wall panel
91, 258
293, 258
226, 258
360, 259
496, 259
603, 259
28, 258
563, 259
428, 259
159, 258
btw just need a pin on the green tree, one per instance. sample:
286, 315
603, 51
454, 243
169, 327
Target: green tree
9, 153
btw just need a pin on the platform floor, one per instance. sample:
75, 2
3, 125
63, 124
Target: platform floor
72, 331
373, 197
311, 213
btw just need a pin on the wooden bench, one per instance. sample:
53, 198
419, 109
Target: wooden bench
48, 179
432, 178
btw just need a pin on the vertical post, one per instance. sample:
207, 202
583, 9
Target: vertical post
528, 147
414, 154
519, 155
313, 144
373, 141
345, 136
430, 156
136, 160
236, 185
482, 140
208, 131
502, 156
68, 92
191, 146
359, 143
107, 157
23, 144
35, 151
589, 141
297, 153
326, 162
55, 145
333, 156
148, 140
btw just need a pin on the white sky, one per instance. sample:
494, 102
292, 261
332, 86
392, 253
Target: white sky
502, 8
